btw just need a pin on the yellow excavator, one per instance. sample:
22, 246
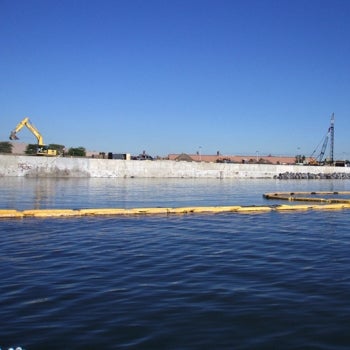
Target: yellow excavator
42, 149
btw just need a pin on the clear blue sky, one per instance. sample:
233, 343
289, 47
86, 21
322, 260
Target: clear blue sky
172, 76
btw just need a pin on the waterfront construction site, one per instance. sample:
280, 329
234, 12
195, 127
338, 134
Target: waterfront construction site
38, 166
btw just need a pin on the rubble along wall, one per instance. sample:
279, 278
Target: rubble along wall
33, 166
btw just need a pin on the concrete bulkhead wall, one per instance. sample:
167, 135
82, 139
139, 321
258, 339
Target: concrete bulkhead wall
34, 166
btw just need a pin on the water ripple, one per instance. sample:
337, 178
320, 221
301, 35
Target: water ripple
224, 281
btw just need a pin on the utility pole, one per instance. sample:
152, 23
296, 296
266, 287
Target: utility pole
331, 131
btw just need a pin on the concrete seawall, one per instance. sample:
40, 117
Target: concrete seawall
32, 166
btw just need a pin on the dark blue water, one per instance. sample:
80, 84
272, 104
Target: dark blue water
224, 281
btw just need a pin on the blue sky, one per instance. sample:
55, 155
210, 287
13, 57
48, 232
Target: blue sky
177, 76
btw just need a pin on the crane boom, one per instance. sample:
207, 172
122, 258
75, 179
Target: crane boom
42, 149
323, 150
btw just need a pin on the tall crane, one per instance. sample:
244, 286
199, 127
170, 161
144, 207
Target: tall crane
330, 134
42, 149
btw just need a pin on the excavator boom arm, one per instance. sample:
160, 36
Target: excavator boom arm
31, 127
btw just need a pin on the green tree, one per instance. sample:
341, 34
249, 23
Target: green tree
32, 148
6, 147
77, 152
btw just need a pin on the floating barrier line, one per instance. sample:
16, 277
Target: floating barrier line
327, 204
54, 213
293, 196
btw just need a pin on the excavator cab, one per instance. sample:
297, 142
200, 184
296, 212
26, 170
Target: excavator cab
46, 151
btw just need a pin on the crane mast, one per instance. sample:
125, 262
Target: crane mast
329, 136
331, 132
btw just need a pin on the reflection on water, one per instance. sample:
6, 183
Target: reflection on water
35, 193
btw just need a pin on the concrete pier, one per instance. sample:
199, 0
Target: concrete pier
33, 166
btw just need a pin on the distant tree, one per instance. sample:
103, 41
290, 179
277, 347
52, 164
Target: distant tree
77, 152
6, 147
32, 148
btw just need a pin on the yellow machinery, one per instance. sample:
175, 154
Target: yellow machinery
42, 149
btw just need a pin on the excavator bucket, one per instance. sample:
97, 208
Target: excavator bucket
13, 136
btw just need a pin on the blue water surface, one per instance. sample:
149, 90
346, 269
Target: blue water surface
277, 280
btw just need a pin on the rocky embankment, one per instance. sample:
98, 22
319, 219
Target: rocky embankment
310, 176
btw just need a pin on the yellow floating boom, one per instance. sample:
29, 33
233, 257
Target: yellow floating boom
54, 213
328, 204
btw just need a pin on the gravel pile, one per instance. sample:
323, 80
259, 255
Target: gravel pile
311, 176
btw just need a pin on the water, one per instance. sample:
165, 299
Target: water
219, 281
